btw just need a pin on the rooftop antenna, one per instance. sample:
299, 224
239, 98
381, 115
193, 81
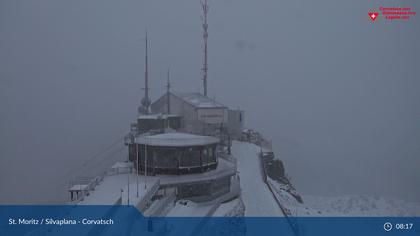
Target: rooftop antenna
145, 101
205, 36
168, 88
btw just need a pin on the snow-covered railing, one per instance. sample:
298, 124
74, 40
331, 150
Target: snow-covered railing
142, 204
228, 158
158, 208
89, 183
81, 186
252, 136
286, 212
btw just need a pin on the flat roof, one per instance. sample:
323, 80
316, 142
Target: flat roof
198, 100
156, 116
79, 187
120, 164
176, 140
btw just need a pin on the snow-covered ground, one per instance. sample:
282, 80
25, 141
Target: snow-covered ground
359, 205
189, 208
257, 198
232, 208
108, 191
347, 205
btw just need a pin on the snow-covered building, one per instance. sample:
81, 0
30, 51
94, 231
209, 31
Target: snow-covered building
185, 162
235, 123
192, 106
200, 114
157, 123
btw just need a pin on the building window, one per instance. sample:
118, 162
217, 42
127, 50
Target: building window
205, 156
191, 157
240, 117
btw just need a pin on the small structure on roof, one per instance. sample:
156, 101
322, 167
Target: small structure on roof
200, 114
157, 122
192, 107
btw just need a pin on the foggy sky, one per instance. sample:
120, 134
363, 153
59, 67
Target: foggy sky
338, 95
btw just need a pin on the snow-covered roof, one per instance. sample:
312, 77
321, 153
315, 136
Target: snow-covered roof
198, 100
122, 165
156, 116
79, 187
176, 140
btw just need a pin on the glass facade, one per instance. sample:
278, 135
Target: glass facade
190, 158
175, 160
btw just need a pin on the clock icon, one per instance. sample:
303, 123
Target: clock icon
387, 226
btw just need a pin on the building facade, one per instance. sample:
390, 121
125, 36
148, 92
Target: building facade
200, 114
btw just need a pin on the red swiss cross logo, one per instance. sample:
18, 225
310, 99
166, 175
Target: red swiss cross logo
373, 15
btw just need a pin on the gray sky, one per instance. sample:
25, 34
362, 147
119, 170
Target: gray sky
338, 95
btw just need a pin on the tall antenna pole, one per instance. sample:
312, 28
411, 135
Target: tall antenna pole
146, 72
205, 36
146, 100
168, 88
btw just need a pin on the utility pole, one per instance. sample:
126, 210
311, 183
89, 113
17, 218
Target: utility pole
205, 36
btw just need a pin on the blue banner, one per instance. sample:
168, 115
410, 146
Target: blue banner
126, 220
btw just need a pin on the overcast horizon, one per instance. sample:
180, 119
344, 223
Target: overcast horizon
338, 95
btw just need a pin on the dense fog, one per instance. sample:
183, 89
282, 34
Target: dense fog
338, 95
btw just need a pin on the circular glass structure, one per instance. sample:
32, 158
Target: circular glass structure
174, 153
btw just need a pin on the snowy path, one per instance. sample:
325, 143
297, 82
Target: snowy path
257, 198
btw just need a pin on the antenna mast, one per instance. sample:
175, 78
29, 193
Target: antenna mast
205, 36
146, 100
168, 88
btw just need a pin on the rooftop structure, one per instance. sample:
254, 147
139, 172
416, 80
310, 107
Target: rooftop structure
198, 100
155, 123
156, 116
200, 114
176, 140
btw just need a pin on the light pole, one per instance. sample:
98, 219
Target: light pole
128, 188
137, 167
121, 195
145, 163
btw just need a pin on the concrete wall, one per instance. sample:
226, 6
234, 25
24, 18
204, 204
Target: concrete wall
213, 115
177, 107
235, 122
194, 120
